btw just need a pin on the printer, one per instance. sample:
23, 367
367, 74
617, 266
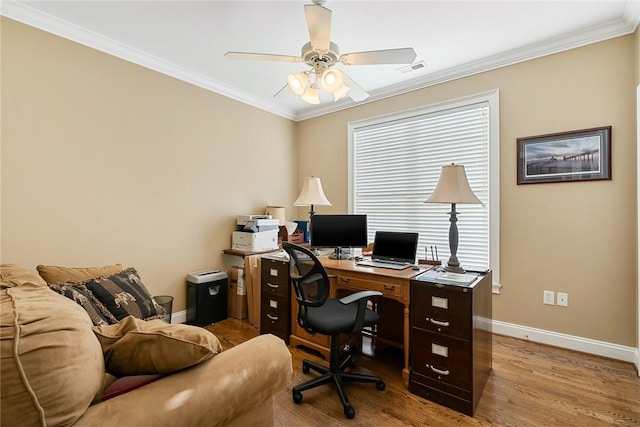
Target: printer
255, 233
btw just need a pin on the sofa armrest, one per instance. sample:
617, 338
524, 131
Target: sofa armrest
212, 393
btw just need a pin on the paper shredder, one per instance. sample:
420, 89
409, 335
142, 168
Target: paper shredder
206, 297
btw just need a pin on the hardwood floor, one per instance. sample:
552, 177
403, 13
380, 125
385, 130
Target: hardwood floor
531, 385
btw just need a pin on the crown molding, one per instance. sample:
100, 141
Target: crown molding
606, 31
35, 18
45, 22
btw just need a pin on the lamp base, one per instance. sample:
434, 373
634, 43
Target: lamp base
454, 269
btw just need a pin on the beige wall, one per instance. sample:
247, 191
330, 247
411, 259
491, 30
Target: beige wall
579, 237
104, 161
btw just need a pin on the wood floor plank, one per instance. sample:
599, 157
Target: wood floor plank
531, 385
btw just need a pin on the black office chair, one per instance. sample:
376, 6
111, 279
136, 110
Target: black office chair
317, 313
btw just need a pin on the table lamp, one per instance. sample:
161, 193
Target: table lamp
453, 188
312, 195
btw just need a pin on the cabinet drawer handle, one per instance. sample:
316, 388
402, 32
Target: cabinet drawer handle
271, 285
344, 281
389, 288
272, 317
438, 371
437, 322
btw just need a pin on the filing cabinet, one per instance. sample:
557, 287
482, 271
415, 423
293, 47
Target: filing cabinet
451, 342
275, 298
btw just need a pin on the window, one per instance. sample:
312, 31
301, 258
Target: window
394, 165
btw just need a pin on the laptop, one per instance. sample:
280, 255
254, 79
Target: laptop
393, 249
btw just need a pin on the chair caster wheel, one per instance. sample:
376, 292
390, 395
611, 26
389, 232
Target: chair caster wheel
297, 397
380, 385
349, 412
305, 369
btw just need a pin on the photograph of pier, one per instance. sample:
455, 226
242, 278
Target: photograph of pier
571, 156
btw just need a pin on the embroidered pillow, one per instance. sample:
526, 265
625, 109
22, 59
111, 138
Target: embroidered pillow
79, 293
124, 294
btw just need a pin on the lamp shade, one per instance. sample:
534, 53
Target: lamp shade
453, 187
297, 82
312, 193
332, 80
276, 212
311, 94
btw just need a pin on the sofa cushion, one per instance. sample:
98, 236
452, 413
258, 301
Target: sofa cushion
51, 363
137, 347
16, 275
124, 294
79, 293
55, 274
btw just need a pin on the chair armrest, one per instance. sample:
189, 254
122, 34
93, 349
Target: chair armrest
359, 295
213, 393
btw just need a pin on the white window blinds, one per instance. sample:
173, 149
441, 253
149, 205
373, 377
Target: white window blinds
395, 165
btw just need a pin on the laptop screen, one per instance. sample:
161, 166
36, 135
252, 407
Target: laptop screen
395, 246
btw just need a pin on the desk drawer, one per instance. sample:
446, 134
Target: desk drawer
274, 277
444, 310
274, 316
441, 358
441, 397
275, 273
388, 289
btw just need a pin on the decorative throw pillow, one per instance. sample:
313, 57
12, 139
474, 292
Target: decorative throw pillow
124, 294
138, 347
55, 274
79, 293
51, 362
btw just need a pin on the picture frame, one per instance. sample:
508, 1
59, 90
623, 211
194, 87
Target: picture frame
581, 155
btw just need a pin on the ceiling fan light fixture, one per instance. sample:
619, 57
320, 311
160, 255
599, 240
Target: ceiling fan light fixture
297, 82
341, 93
311, 95
332, 80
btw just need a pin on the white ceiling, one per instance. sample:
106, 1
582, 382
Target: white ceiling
188, 39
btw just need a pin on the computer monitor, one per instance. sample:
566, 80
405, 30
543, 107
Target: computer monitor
339, 231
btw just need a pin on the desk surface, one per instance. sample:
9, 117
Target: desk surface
351, 266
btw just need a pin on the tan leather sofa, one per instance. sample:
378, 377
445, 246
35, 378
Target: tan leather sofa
53, 371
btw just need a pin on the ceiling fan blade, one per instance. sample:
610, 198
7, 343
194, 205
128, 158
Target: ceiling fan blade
356, 93
319, 24
404, 55
262, 57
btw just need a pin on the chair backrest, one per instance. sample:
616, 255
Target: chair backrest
309, 278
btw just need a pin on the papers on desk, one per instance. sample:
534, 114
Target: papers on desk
447, 278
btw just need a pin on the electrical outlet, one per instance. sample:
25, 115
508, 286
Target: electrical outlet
549, 297
563, 299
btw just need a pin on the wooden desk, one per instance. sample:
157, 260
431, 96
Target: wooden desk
394, 284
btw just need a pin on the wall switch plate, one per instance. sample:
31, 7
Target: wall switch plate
549, 297
563, 299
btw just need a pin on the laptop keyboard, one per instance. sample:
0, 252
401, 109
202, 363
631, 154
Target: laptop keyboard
385, 264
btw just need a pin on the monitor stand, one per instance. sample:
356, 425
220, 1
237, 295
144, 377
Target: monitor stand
340, 253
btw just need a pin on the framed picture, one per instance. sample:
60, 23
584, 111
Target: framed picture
580, 155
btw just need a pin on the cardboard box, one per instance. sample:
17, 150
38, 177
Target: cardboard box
254, 242
237, 294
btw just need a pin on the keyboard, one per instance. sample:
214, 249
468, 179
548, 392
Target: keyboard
393, 265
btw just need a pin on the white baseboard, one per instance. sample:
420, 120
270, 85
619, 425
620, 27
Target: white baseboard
179, 317
586, 345
636, 361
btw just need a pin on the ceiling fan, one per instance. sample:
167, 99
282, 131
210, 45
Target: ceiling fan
321, 54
